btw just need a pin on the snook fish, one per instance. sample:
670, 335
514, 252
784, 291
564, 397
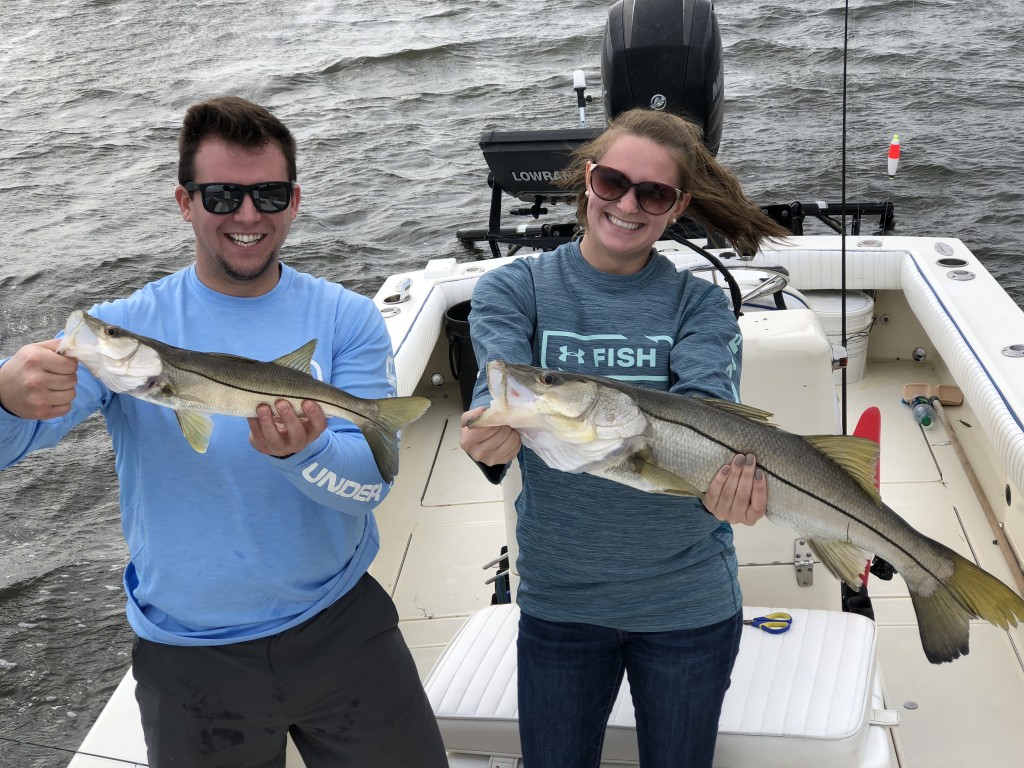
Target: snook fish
195, 384
821, 486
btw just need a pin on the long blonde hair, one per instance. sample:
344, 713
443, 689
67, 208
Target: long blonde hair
717, 200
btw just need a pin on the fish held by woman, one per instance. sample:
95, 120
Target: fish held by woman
822, 486
195, 384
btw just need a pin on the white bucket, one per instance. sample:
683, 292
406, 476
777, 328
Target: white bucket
828, 306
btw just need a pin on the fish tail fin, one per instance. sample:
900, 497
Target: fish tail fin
381, 433
943, 617
984, 595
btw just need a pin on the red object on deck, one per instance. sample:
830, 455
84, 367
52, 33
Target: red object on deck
870, 427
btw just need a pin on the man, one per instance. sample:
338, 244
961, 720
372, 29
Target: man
247, 585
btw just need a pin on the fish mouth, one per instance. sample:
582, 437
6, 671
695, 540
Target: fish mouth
497, 382
514, 393
73, 326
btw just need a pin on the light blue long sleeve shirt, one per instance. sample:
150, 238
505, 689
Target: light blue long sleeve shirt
591, 550
232, 545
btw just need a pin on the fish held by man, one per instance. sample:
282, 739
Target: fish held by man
822, 486
195, 384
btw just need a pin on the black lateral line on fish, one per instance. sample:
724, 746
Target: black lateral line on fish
829, 504
271, 397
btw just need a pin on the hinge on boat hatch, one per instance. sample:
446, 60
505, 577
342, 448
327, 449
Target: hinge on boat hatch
840, 357
886, 718
803, 561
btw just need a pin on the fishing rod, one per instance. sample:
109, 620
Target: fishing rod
54, 748
842, 231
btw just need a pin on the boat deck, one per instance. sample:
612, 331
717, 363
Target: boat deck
444, 521
978, 693
439, 526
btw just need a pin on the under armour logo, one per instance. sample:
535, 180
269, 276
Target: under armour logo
566, 354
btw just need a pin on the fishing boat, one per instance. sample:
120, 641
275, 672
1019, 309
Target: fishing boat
843, 331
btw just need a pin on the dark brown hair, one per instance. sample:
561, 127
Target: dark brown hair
717, 200
236, 120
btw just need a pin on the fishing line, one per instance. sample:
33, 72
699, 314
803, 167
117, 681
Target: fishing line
842, 229
23, 743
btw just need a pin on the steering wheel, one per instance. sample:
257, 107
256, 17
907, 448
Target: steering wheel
773, 280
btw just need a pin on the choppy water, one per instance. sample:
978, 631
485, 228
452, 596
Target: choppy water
388, 100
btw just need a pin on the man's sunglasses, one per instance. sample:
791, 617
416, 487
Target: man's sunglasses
652, 197
268, 197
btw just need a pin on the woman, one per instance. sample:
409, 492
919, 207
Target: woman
614, 580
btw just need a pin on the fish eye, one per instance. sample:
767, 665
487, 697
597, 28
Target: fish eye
548, 378
111, 332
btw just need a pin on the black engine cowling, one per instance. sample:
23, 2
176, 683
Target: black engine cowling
665, 55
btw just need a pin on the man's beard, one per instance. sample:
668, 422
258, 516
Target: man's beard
252, 274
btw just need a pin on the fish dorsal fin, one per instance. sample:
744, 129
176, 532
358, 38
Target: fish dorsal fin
843, 560
857, 455
299, 359
746, 411
196, 427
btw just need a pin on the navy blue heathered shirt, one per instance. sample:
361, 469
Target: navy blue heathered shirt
591, 550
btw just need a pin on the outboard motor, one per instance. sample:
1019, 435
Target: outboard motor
665, 55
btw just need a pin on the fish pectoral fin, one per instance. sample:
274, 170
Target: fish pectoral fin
857, 455
746, 411
197, 428
300, 359
665, 481
844, 560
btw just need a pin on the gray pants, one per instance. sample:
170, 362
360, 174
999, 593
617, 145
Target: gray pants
343, 684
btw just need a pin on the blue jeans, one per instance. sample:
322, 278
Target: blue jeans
569, 675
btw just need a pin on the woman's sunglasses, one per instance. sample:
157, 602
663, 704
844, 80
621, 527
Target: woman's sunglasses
268, 197
652, 197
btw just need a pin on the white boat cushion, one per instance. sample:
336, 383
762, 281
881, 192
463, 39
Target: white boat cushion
802, 696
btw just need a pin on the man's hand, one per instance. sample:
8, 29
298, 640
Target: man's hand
288, 432
739, 492
493, 446
37, 383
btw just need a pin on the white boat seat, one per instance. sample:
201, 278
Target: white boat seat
803, 697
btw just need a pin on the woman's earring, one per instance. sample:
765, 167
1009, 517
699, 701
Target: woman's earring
586, 193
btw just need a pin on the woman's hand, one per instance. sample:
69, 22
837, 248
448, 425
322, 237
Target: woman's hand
493, 446
739, 492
